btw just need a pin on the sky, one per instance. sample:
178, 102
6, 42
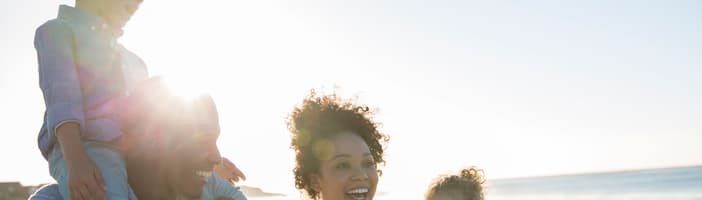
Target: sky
516, 88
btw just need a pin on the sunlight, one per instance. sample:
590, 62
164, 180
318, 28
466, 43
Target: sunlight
185, 88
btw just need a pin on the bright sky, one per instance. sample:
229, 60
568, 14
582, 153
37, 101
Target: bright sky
516, 88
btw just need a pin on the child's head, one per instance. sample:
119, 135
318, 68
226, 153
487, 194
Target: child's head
468, 185
116, 13
337, 147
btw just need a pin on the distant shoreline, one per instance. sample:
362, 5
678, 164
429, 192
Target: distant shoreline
257, 192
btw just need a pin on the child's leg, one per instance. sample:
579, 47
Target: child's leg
107, 158
47, 192
58, 170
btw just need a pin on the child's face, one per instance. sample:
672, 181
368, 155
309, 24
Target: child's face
117, 12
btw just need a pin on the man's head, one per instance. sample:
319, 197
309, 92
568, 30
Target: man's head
193, 146
115, 12
173, 137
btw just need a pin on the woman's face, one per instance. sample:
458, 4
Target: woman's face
347, 169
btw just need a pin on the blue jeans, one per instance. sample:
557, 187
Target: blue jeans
108, 159
215, 187
47, 192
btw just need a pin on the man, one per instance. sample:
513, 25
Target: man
171, 148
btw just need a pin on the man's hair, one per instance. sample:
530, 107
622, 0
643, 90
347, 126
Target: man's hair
320, 118
467, 185
164, 119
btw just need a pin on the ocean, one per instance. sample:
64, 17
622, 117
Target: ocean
681, 183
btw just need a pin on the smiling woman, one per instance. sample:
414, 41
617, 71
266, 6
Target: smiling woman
337, 148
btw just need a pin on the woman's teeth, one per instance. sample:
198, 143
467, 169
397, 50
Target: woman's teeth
359, 193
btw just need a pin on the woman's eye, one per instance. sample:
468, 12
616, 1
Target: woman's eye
343, 165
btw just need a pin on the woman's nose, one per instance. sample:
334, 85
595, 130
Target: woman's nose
360, 175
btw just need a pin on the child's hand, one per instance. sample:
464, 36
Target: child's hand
229, 171
84, 179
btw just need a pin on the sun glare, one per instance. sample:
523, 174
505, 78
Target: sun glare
186, 88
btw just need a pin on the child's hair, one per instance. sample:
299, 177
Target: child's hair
323, 117
468, 185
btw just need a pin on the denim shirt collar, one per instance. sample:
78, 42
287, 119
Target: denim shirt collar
87, 19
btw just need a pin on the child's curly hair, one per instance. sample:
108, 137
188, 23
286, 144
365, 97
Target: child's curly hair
468, 185
321, 118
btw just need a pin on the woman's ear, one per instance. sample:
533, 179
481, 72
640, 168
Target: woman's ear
315, 182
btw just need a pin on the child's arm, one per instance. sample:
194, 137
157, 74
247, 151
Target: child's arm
59, 82
223, 189
228, 171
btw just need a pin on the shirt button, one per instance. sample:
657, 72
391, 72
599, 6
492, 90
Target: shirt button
92, 28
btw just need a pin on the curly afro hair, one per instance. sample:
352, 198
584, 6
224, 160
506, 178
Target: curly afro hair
468, 185
321, 118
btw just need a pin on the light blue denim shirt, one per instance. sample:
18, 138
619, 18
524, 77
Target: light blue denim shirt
83, 73
217, 187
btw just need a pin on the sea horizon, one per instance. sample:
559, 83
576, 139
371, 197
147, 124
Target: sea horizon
669, 183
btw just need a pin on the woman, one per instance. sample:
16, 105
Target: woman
337, 148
